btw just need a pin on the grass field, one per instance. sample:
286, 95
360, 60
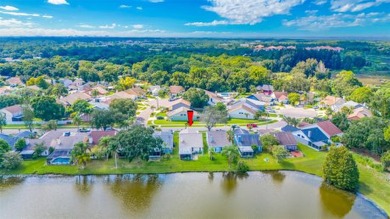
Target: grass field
241, 122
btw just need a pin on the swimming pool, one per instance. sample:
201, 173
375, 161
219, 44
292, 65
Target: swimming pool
60, 161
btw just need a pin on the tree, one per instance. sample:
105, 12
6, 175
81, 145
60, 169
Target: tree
79, 154
82, 106
197, 97
212, 115
102, 119
340, 169
385, 159
136, 142
345, 83
232, 155
259, 114
293, 98
50, 125
279, 152
361, 95
46, 108
4, 147
28, 117
380, 102
127, 107
57, 90
291, 121
125, 83
20, 144
11, 160
268, 141
386, 133
341, 121
39, 148
94, 93
3, 121
77, 120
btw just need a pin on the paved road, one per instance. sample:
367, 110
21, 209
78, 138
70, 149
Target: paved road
298, 112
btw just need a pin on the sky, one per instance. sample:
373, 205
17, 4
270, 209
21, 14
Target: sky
196, 18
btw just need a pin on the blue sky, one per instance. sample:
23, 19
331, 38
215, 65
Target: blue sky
196, 18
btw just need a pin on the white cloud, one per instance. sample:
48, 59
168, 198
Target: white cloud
338, 20
205, 24
9, 23
47, 16
124, 6
156, 1
112, 26
58, 2
250, 11
9, 8
87, 26
19, 13
354, 5
137, 26
311, 12
139, 8
320, 2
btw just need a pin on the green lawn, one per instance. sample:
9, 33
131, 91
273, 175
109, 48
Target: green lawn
241, 122
373, 184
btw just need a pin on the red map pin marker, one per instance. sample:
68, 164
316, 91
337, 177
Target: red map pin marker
190, 116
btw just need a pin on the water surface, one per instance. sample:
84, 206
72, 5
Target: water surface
189, 195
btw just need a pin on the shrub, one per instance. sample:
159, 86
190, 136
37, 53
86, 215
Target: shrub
51, 149
160, 117
11, 160
242, 167
20, 144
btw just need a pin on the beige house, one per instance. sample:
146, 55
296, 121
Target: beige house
13, 113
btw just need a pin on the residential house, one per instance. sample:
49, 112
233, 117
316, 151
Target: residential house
267, 100
213, 98
180, 114
66, 82
217, 140
179, 103
100, 89
11, 140
245, 140
190, 144
14, 81
120, 95
287, 140
281, 97
5, 90
72, 98
242, 111
95, 136
13, 113
331, 101
349, 104
154, 90
265, 89
289, 128
137, 91
167, 137
317, 135
359, 113
176, 90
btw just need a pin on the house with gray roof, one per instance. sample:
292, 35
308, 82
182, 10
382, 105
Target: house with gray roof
167, 137
245, 140
288, 140
217, 140
190, 144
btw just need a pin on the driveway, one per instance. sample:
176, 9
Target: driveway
298, 112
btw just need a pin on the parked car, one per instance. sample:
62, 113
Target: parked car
252, 125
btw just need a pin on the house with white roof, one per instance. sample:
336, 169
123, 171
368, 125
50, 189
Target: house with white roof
190, 144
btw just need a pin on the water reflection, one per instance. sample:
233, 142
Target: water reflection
229, 181
277, 176
135, 191
9, 182
337, 202
84, 184
211, 177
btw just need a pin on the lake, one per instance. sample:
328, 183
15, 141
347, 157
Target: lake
277, 194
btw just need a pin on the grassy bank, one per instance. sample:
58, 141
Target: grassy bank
372, 183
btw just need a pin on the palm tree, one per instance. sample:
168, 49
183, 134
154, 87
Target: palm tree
230, 135
77, 120
3, 121
211, 154
79, 154
231, 154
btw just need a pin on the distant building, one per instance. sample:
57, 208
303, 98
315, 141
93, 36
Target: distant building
13, 113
